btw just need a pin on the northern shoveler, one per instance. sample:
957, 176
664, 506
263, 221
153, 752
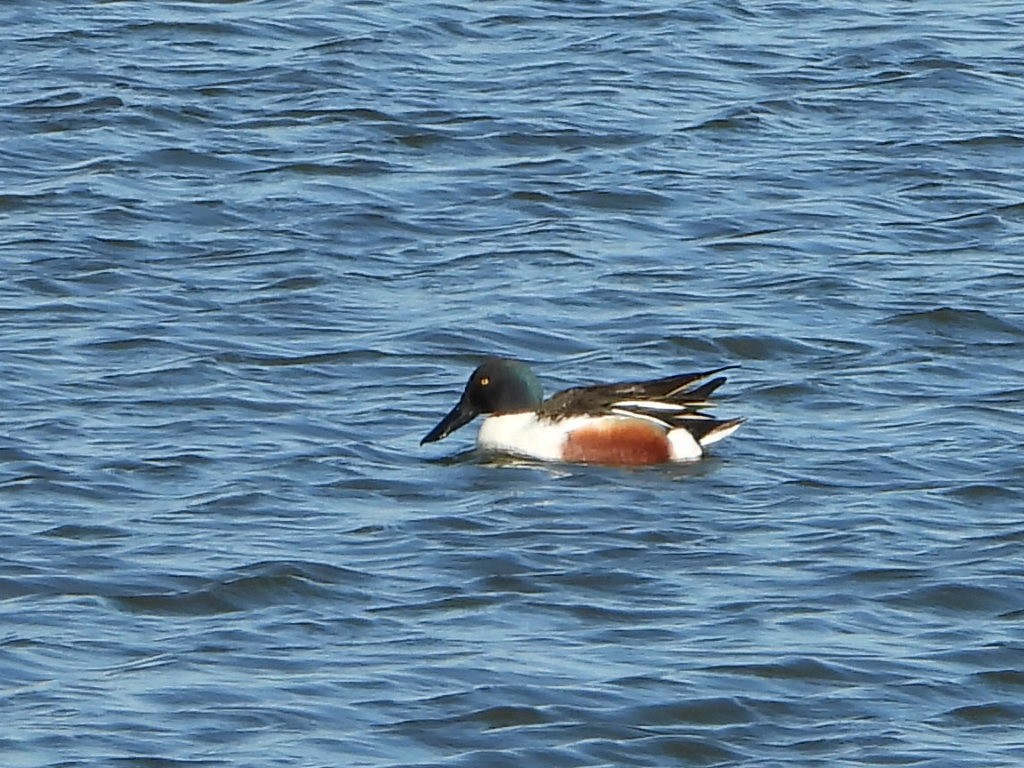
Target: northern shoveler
631, 423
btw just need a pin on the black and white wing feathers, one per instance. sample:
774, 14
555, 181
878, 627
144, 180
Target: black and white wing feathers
673, 402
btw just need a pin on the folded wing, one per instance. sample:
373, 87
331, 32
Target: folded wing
673, 402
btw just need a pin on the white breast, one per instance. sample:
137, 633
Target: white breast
526, 435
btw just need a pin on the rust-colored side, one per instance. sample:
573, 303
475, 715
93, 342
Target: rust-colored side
628, 442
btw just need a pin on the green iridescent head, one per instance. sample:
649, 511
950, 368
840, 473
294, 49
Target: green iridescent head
499, 385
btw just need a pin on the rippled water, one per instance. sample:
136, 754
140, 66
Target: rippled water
251, 251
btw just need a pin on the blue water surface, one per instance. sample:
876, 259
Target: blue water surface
251, 252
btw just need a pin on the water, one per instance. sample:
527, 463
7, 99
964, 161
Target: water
251, 252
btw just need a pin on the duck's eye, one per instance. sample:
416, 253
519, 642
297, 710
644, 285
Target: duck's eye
484, 381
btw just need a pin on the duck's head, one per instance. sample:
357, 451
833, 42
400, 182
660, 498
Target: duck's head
497, 386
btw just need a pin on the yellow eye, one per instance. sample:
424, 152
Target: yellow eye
484, 381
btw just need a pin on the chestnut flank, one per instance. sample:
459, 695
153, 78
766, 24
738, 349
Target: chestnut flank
628, 442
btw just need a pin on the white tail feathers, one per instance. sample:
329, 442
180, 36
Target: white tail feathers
720, 432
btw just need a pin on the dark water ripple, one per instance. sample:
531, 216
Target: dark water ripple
252, 250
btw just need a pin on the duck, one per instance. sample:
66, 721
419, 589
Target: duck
628, 423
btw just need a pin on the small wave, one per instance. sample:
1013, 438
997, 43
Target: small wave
795, 668
952, 321
992, 713
959, 598
86, 532
708, 711
254, 586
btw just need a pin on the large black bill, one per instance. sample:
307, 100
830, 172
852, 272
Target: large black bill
460, 416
